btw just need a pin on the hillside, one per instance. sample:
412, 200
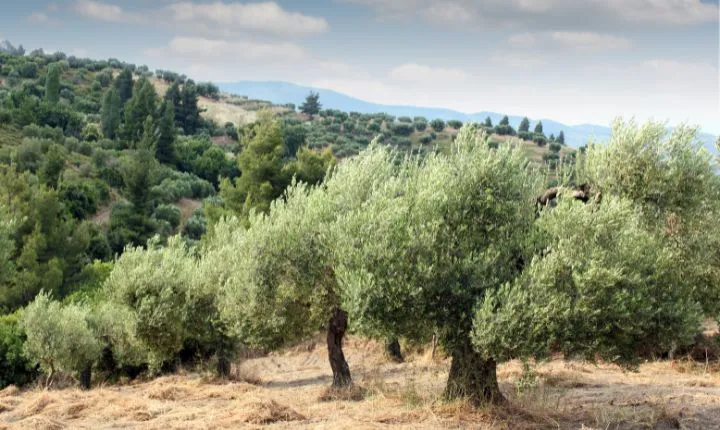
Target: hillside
284, 92
285, 390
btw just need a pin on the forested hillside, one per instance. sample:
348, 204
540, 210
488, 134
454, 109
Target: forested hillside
139, 234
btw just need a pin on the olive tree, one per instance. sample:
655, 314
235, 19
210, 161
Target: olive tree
59, 337
277, 282
629, 274
156, 287
430, 244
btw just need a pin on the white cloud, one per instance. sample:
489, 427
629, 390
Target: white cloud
267, 17
550, 14
38, 18
103, 12
211, 19
425, 74
522, 40
223, 51
588, 41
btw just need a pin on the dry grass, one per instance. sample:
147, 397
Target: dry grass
289, 389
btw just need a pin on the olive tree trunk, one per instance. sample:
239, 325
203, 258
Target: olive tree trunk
472, 377
392, 350
336, 332
86, 376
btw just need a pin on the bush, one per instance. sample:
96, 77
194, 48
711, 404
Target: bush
426, 139
438, 125
403, 129
15, 368
168, 213
195, 226
504, 130
555, 147
405, 119
421, 126
58, 337
457, 125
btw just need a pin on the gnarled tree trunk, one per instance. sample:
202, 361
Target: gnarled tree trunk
336, 331
472, 377
392, 350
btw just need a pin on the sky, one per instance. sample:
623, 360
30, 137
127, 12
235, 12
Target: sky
574, 61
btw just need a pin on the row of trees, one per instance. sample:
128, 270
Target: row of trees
453, 245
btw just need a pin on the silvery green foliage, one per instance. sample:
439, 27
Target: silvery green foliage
276, 278
602, 285
116, 327
58, 336
673, 181
152, 286
662, 172
433, 239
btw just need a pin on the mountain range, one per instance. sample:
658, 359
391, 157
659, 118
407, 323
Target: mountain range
284, 92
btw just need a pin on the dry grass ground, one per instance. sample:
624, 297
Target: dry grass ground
289, 390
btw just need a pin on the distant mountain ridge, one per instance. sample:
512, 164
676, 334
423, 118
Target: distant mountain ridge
284, 92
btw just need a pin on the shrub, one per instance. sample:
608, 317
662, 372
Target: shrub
168, 213
15, 368
421, 126
426, 139
195, 226
438, 125
405, 119
555, 147
457, 125
403, 129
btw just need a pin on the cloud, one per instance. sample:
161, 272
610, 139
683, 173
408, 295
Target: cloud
38, 18
588, 41
104, 12
522, 40
212, 19
224, 51
425, 74
550, 14
267, 17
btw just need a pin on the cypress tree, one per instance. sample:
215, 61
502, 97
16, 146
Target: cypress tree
52, 84
190, 110
164, 148
111, 113
539, 128
561, 138
124, 86
524, 125
174, 96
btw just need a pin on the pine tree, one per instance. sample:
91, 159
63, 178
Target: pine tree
488, 122
524, 125
311, 106
561, 138
52, 84
165, 145
552, 137
111, 113
124, 86
190, 110
505, 120
539, 128
137, 173
142, 104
